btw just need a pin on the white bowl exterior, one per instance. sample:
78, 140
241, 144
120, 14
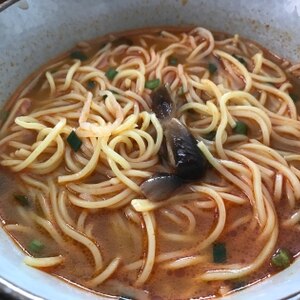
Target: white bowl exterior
31, 37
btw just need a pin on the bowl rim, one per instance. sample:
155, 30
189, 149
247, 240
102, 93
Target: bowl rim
14, 292
5, 4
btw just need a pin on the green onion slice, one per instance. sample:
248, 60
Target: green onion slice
22, 199
219, 253
212, 68
282, 258
152, 84
74, 141
90, 84
240, 128
35, 246
111, 73
210, 136
173, 61
240, 59
78, 55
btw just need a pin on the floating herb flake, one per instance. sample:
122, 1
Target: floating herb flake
240, 128
210, 136
152, 84
240, 59
22, 199
74, 141
36, 246
219, 253
212, 68
90, 84
173, 61
111, 73
282, 258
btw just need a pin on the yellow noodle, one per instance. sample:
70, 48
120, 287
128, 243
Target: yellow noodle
48, 226
104, 275
149, 262
70, 231
43, 262
50, 137
184, 262
88, 169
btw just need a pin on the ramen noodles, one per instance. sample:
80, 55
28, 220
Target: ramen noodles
155, 164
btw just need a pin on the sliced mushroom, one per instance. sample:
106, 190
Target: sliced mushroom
162, 104
179, 149
161, 186
186, 157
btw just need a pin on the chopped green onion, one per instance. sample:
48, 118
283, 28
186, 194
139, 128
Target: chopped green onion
22, 199
4, 115
152, 84
173, 61
90, 84
74, 141
111, 73
240, 59
281, 259
294, 97
240, 128
78, 55
212, 68
210, 136
219, 253
35, 246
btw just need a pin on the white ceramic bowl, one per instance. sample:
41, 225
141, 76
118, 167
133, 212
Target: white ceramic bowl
30, 37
